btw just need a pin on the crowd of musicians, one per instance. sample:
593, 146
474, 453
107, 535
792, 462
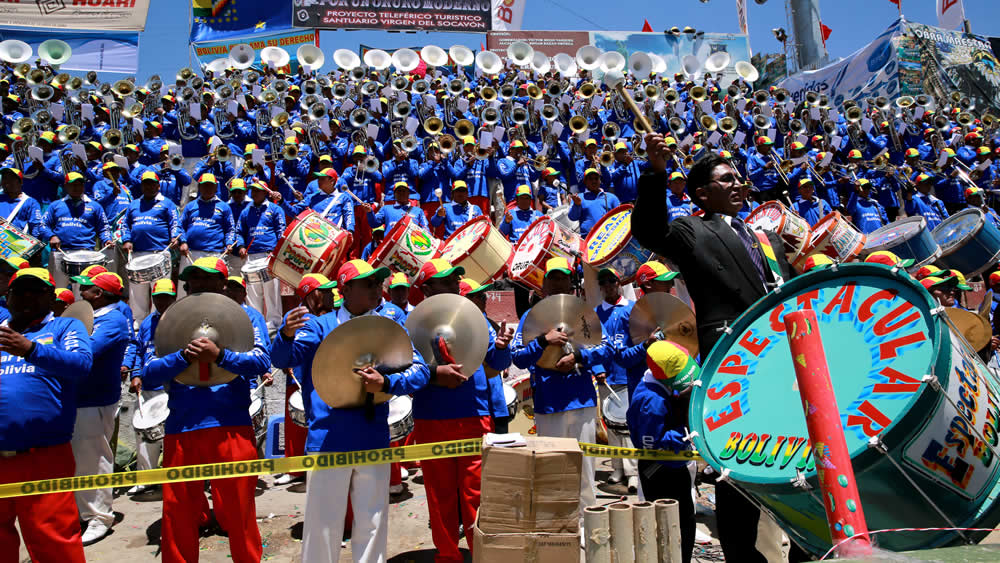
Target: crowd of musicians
207, 172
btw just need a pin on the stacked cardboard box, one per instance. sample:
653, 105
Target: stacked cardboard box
530, 502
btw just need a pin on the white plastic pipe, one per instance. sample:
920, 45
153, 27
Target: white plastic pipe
622, 546
668, 530
597, 534
644, 532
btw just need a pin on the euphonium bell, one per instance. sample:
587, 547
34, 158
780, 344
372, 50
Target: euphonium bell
652, 91
677, 126
610, 131
578, 124
185, 74
587, 89
727, 125
339, 90
796, 126
853, 114
69, 134
401, 109
507, 91
519, 115
23, 127
812, 97
781, 95
420, 87
132, 111
408, 143
433, 126
671, 96
490, 116
904, 102
111, 139
964, 119
549, 112
463, 128
446, 143
359, 118
280, 120
553, 88
124, 88
317, 111
488, 93
699, 94
708, 123
456, 86
35, 76
534, 92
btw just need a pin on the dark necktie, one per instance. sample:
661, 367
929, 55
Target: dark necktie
750, 243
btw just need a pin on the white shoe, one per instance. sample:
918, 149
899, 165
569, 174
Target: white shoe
403, 473
396, 489
286, 479
136, 490
633, 484
95, 531
701, 537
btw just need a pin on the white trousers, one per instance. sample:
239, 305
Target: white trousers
579, 424
139, 299
148, 453
265, 297
326, 507
93, 455
629, 466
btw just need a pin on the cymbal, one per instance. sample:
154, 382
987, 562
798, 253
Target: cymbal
675, 319
369, 340
83, 312
210, 315
973, 327
566, 312
458, 321
984, 307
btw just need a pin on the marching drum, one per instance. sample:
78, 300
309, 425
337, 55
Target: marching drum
255, 271
923, 447
561, 215
400, 417
969, 242
258, 413
610, 243
834, 236
149, 418
297, 410
907, 238
309, 245
148, 268
406, 248
480, 248
510, 397
789, 225
543, 239
74, 262
613, 412
15, 242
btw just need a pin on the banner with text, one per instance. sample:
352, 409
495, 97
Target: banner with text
208, 51
549, 42
104, 15
425, 15
103, 52
212, 20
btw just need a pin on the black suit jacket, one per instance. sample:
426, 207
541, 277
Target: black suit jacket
720, 276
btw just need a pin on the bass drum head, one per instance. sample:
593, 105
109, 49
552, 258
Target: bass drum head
955, 230
894, 234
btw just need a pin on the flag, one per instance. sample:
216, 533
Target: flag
826, 32
508, 14
741, 13
646, 28
896, 2
950, 13
221, 19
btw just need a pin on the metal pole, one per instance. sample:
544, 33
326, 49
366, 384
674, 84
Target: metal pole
826, 436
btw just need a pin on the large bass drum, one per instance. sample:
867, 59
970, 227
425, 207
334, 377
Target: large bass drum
919, 410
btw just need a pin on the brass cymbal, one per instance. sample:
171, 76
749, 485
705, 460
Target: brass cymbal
984, 307
83, 312
458, 321
369, 340
673, 316
566, 312
211, 315
974, 328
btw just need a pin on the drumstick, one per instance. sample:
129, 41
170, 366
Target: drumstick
292, 375
613, 394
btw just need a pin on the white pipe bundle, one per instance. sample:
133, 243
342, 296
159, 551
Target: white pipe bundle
644, 532
597, 534
668, 528
622, 547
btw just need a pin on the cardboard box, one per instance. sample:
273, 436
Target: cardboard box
532, 489
535, 547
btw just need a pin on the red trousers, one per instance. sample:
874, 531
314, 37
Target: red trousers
50, 523
482, 202
362, 230
295, 435
452, 484
185, 507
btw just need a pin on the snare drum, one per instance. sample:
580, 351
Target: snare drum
510, 397
882, 336
297, 410
15, 242
835, 237
149, 418
543, 239
258, 413
613, 412
789, 225
309, 245
907, 238
255, 271
400, 417
610, 243
969, 242
480, 248
149, 268
74, 262
406, 248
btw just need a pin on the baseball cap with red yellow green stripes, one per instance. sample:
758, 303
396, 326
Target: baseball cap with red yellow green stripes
671, 364
359, 269
311, 282
654, 271
399, 279
888, 259
207, 264
469, 286
65, 295
164, 287
32, 273
558, 264
436, 268
816, 261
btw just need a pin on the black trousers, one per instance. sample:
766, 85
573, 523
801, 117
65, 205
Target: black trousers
736, 519
662, 482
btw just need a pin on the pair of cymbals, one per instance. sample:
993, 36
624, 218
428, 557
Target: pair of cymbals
211, 315
568, 314
974, 327
670, 315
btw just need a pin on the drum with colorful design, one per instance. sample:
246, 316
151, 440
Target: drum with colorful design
792, 228
611, 244
310, 245
406, 248
543, 239
480, 248
919, 410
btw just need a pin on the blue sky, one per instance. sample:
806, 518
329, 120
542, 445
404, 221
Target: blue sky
163, 46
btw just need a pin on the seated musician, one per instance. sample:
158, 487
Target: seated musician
367, 486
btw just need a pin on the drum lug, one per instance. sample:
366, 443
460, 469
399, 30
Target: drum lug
933, 381
875, 442
724, 475
688, 437
939, 310
725, 328
799, 481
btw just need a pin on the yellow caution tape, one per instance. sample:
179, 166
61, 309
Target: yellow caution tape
225, 470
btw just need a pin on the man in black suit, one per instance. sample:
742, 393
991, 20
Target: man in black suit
725, 271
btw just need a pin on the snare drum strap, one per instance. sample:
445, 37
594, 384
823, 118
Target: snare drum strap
21, 199
769, 256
